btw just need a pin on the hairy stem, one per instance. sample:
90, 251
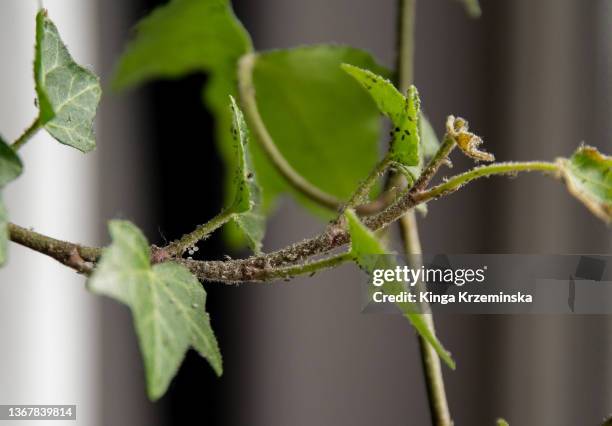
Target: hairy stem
177, 248
210, 271
509, 168
335, 236
80, 258
27, 134
435, 163
362, 191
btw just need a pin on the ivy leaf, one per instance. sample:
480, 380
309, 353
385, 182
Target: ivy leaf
588, 176
167, 304
320, 121
10, 169
68, 94
403, 112
367, 250
247, 200
472, 7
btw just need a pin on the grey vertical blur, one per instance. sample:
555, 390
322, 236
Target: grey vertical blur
534, 79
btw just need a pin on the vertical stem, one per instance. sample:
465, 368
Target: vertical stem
405, 44
408, 225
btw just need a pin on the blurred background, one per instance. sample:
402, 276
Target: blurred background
534, 78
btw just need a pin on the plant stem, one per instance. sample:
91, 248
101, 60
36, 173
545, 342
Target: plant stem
434, 164
249, 103
27, 134
177, 248
263, 274
243, 270
80, 258
364, 188
509, 168
405, 43
408, 224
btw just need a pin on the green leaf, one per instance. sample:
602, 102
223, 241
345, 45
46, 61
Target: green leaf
502, 422
321, 122
588, 176
367, 250
472, 7
403, 112
167, 304
183, 37
10, 169
68, 94
247, 200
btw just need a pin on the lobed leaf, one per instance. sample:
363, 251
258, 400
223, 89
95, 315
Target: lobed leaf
367, 250
167, 304
68, 94
10, 169
247, 199
588, 176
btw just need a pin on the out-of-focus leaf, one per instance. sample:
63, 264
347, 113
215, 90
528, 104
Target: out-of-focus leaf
588, 176
10, 169
322, 123
502, 422
247, 201
367, 252
182, 37
402, 110
68, 94
167, 304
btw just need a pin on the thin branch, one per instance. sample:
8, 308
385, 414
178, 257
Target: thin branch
333, 237
211, 271
508, 168
361, 193
177, 248
75, 256
27, 134
435, 163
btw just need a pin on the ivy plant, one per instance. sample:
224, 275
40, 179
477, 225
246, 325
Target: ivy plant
304, 108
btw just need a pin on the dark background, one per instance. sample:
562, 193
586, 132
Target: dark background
532, 77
